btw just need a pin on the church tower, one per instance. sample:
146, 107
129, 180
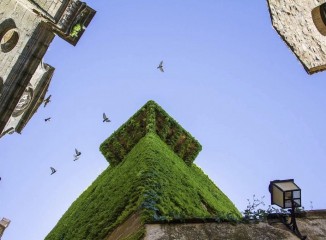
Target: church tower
27, 28
151, 179
4, 223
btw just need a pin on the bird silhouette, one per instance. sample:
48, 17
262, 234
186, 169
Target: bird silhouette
105, 118
53, 170
161, 66
77, 155
47, 100
47, 119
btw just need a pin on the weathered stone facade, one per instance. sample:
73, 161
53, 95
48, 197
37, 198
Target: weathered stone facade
4, 223
311, 224
293, 20
27, 28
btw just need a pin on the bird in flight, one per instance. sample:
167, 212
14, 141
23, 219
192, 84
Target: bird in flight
53, 170
47, 119
161, 66
105, 118
47, 100
77, 155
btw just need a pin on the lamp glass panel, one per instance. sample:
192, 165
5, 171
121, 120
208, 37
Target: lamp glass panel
277, 197
296, 194
288, 204
298, 202
287, 195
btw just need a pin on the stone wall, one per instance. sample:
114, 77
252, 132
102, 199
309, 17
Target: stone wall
19, 57
27, 27
313, 225
216, 231
15, 15
310, 223
52, 8
294, 23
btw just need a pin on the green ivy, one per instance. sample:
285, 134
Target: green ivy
151, 118
76, 30
153, 181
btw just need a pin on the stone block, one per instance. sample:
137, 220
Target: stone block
293, 21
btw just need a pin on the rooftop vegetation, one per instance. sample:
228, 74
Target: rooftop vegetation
75, 31
151, 180
150, 118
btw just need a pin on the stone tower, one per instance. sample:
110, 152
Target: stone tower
27, 27
151, 178
4, 223
302, 26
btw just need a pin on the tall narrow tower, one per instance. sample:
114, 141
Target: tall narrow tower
27, 27
151, 178
4, 223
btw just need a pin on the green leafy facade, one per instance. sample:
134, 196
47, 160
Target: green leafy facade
150, 118
151, 180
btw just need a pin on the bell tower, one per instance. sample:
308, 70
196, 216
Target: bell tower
4, 223
27, 28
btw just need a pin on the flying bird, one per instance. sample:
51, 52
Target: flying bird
105, 118
77, 155
47, 100
161, 66
53, 170
47, 119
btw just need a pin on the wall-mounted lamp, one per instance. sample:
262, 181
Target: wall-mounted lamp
286, 194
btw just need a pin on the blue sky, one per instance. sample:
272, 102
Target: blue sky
229, 80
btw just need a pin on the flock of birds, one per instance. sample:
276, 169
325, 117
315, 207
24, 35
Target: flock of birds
77, 152
76, 157
105, 119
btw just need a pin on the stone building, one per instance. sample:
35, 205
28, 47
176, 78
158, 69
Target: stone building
302, 26
4, 223
27, 28
152, 190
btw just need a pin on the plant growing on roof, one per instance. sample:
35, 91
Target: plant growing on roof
76, 29
255, 213
148, 179
252, 212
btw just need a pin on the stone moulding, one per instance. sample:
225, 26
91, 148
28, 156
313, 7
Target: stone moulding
293, 21
40, 91
150, 118
81, 14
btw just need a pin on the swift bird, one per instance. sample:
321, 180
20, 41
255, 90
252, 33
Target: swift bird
77, 155
47, 119
47, 100
105, 118
161, 66
53, 170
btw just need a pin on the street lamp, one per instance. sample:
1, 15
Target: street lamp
286, 194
